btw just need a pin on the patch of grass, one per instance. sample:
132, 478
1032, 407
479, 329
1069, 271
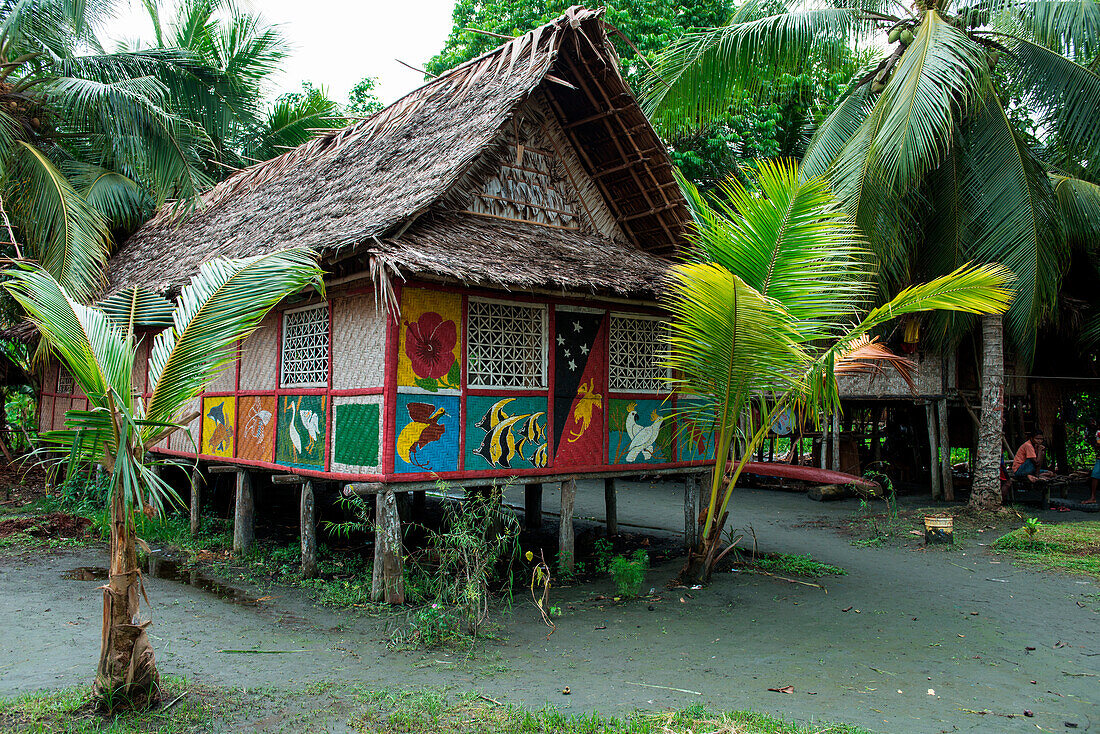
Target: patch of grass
788, 564
71, 711
431, 713
316, 707
1070, 547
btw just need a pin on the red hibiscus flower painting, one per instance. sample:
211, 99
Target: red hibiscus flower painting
429, 345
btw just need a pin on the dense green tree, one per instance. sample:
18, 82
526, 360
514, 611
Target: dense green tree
780, 126
362, 99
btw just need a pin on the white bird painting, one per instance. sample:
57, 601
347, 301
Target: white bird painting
642, 438
312, 423
295, 439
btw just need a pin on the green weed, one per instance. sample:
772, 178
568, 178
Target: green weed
1071, 547
629, 572
786, 564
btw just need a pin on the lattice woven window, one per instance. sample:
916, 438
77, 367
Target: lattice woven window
507, 345
65, 382
637, 353
305, 347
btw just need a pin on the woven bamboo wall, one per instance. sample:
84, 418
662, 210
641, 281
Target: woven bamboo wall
60, 407
359, 343
137, 376
928, 380
258, 355
179, 441
45, 414
224, 381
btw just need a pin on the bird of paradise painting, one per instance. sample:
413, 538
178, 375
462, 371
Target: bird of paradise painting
427, 434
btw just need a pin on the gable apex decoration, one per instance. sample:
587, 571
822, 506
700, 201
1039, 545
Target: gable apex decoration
371, 194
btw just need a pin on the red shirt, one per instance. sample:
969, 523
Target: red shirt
1025, 452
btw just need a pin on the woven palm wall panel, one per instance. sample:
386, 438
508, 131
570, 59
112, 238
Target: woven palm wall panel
356, 434
219, 426
427, 433
430, 341
256, 427
300, 432
358, 343
258, 356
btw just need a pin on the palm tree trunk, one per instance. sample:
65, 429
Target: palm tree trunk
127, 674
986, 491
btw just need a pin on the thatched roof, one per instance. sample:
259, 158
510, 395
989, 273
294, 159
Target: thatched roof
357, 195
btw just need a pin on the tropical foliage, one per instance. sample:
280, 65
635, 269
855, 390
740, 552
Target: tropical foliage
222, 304
772, 304
781, 127
971, 136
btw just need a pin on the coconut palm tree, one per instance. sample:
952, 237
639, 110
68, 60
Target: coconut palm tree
89, 141
969, 138
772, 304
222, 304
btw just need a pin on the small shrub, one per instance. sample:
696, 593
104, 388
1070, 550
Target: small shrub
629, 572
1032, 527
603, 550
432, 626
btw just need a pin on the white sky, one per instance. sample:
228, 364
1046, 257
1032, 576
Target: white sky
337, 42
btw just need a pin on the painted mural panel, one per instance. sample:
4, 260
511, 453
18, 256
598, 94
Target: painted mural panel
580, 387
640, 432
695, 431
427, 433
218, 422
300, 434
505, 432
256, 437
431, 341
356, 431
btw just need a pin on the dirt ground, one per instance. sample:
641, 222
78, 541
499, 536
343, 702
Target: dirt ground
911, 640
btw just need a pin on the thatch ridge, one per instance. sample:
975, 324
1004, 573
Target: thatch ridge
345, 191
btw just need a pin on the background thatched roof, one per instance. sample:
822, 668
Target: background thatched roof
356, 194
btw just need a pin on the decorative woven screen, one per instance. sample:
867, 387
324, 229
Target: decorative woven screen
65, 381
305, 347
507, 345
637, 350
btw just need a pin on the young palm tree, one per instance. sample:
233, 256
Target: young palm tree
973, 137
222, 304
772, 304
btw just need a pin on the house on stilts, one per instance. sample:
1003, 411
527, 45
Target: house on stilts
494, 242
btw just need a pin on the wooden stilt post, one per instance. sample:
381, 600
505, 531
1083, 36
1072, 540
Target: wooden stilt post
532, 506
934, 451
388, 580
610, 504
196, 500
308, 522
945, 450
691, 510
243, 512
835, 458
566, 548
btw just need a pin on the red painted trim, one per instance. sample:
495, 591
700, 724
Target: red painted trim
551, 379
389, 401
353, 392
639, 395
463, 355
421, 476
607, 383
329, 407
279, 350
237, 400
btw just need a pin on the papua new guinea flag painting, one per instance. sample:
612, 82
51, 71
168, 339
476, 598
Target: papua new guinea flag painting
580, 386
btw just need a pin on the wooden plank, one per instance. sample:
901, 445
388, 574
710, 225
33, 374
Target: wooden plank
224, 469
307, 520
196, 500
532, 506
566, 544
611, 507
243, 515
288, 479
368, 488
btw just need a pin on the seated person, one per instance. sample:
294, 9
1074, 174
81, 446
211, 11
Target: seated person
1029, 459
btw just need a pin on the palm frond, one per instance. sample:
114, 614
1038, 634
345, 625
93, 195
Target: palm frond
838, 129
96, 352
65, 233
697, 78
136, 307
938, 76
122, 202
1012, 219
223, 303
1070, 27
1079, 209
293, 120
